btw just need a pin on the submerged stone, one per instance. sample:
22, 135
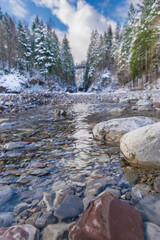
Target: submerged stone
26, 232
72, 206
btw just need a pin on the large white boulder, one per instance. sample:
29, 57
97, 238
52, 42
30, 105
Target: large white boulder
111, 131
142, 146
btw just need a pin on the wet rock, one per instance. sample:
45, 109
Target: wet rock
48, 199
112, 130
157, 184
152, 231
5, 194
32, 219
20, 208
123, 183
61, 190
95, 186
117, 110
145, 103
26, 232
141, 146
87, 200
149, 208
6, 219
59, 112
138, 191
131, 175
143, 188
110, 219
72, 206
45, 219
56, 232
115, 192
37, 165
13, 145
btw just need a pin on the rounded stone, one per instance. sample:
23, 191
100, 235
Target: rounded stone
111, 131
152, 231
6, 219
141, 146
5, 194
71, 207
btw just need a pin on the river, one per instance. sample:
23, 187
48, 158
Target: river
43, 152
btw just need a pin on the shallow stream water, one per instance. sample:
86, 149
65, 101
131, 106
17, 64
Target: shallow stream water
40, 150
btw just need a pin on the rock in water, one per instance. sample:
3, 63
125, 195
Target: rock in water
56, 232
152, 231
72, 206
6, 219
25, 232
142, 146
111, 131
5, 194
108, 219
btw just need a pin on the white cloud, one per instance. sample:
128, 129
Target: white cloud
80, 20
122, 10
17, 8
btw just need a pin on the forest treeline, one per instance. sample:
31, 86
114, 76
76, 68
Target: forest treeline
35, 51
132, 52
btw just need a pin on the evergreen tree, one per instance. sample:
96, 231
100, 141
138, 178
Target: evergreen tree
9, 41
24, 51
68, 69
40, 48
144, 52
128, 35
53, 63
93, 56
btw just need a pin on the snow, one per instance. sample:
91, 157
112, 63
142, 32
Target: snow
107, 74
13, 82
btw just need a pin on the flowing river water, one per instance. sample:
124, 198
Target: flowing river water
43, 152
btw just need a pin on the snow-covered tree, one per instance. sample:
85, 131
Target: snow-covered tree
53, 56
145, 54
24, 51
68, 69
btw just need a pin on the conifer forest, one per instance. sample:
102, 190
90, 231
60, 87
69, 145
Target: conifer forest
132, 52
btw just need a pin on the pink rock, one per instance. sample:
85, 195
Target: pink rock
19, 232
108, 219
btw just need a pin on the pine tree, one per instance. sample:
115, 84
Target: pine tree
40, 48
9, 41
68, 69
94, 55
144, 59
24, 51
128, 35
53, 60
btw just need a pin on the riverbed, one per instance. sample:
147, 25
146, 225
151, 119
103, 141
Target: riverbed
50, 149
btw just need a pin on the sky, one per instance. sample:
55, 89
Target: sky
76, 18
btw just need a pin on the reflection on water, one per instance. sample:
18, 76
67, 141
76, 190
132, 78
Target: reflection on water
39, 151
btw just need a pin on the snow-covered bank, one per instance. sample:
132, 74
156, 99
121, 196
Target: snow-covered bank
143, 100
14, 82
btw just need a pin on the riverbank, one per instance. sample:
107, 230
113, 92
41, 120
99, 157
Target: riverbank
28, 100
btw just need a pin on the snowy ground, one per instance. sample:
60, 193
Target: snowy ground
13, 82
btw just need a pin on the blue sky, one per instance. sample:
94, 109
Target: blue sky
76, 18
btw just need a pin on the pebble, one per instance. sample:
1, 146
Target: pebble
6, 219
72, 206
